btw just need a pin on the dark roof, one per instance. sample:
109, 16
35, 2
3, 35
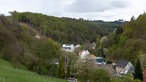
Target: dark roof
122, 63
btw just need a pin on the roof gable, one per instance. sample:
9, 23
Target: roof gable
122, 63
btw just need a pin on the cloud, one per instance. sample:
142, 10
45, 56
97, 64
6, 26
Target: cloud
83, 6
87, 9
50, 7
120, 3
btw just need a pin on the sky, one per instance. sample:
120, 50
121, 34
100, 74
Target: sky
107, 10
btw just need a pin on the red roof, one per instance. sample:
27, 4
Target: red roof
144, 76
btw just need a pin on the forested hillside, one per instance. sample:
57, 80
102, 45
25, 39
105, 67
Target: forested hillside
130, 41
62, 30
108, 26
19, 46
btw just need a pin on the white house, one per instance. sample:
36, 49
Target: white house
124, 67
68, 47
84, 53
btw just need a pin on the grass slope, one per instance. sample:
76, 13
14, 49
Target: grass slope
10, 74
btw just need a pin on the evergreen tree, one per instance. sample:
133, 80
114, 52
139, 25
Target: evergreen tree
68, 71
61, 73
138, 71
98, 41
132, 18
100, 52
118, 31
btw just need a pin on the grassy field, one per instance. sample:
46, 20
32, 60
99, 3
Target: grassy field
10, 74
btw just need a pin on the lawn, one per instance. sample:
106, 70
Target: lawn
10, 74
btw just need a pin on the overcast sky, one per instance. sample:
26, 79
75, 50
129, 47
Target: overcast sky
108, 10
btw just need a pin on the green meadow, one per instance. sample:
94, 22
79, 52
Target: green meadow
8, 73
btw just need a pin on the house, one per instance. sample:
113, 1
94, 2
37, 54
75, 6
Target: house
100, 60
124, 67
68, 47
144, 76
84, 54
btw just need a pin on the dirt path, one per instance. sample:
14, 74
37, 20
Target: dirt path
37, 35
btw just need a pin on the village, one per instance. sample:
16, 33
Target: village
116, 69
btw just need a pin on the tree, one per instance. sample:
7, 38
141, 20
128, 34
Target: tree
132, 18
103, 41
84, 69
100, 52
99, 75
68, 71
126, 78
61, 73
111, 38
88, 72
138, 71
97, 41
52, 69
83, 72
119, 31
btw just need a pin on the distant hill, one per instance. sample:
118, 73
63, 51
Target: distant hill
65, 30
108, 26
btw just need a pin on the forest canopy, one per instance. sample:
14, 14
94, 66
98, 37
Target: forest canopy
63, 30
